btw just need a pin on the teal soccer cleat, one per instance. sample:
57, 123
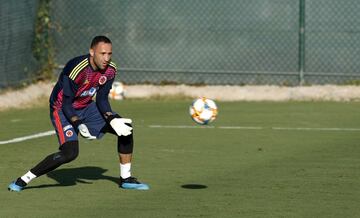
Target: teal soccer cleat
132, 183
15, 188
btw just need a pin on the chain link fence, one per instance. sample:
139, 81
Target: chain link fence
230, 42
192, 42
17, 20
332, 41
283, 42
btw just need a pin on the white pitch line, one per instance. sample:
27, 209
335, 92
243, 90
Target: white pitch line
24, 138
179, 127
204, 127
241, 127
255, 128
52, 132
315, 129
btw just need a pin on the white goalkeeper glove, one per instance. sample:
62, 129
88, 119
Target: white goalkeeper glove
84, 132
120, 127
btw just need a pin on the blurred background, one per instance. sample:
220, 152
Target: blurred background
198, 42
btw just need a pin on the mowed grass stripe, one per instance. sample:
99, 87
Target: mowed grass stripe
52, 132
222, 171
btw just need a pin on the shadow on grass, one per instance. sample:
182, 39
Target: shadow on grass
193, 186
72, 176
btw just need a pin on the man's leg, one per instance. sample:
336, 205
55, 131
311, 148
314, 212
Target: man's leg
125, 150
68, 152
97, 125
125, 146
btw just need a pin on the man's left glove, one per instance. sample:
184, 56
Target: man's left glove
120, 125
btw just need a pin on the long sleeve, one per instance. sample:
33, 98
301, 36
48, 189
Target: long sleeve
102, 99
70, 89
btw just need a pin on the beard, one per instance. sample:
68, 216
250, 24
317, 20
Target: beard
100, 66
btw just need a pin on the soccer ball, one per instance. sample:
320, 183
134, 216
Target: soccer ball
203, 110
117, 91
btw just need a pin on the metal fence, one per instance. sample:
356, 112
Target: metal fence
286, 42
332, 44
232, 42
17, 20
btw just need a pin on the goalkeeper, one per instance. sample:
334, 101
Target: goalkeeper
73, 112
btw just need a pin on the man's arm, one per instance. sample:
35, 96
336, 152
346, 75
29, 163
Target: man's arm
69, 91
102, 99
120, 125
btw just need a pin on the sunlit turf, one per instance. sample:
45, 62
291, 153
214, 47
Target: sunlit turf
196, 172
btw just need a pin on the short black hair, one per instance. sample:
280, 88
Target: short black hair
97, 39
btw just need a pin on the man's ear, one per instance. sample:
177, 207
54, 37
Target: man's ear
91, 51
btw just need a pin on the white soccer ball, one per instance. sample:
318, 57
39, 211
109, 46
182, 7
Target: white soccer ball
203, 110
117, 91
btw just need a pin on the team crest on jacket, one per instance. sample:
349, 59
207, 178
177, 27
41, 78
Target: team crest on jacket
69, 133
102, 80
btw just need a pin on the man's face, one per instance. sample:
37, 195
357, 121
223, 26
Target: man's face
100, 55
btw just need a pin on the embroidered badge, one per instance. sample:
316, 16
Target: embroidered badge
102, 80
69, 133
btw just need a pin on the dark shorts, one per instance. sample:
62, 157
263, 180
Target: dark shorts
90, 116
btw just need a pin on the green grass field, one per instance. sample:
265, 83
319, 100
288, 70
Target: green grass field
293, 159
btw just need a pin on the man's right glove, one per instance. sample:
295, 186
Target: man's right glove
120, 127
83, 130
